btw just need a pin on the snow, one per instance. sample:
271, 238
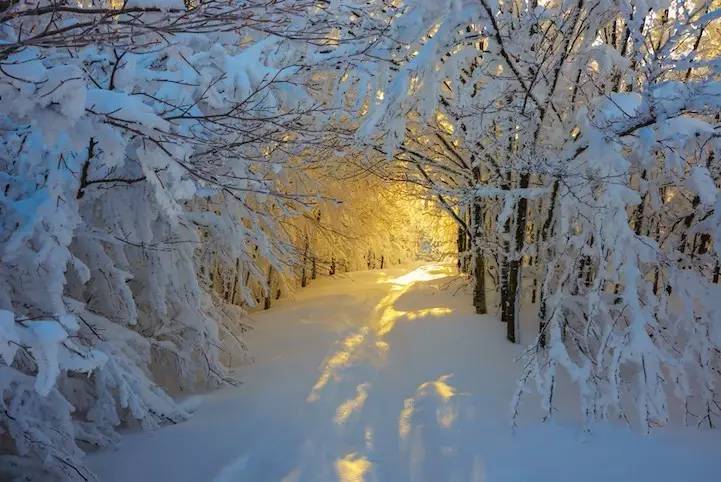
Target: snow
125, 107
700, 181
407, 384
8, 337
164, 173
47, 336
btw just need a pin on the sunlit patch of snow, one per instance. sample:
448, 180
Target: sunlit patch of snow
369, 340
440, 393
404, 421
352, 405
352, 468
413, 315
429, 445
424, 273
336, 361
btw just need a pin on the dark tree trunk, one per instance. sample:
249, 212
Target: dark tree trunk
468, 244
269, 291
534, 292
303, 273
503, 262
514, 267
503, 271
461, 244
234, 291
479, 288
479, 263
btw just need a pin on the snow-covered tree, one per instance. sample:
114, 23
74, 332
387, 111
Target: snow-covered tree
142, 144
583, 139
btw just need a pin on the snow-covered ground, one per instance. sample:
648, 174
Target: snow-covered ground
388, 376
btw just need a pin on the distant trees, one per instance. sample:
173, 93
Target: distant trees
366, 223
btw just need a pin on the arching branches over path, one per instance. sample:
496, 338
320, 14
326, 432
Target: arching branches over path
152, 155
578, 143
163, 163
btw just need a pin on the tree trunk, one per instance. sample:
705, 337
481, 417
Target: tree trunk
547, 226
236, 279
461, 244
534, 292
269, 291
303, 273
503, 271
479, 288
514, 267
468, 243
479, 264
503, 263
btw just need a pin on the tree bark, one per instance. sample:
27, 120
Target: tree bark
461, 244
547, 226
269, 291
303, 273
479, 264
514, 267
236, 279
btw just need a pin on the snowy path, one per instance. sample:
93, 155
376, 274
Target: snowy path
386, 376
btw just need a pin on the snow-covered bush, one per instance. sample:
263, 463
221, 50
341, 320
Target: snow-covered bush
141, 146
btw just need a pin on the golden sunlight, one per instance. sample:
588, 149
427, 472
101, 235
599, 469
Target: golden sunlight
368, 341
352, 468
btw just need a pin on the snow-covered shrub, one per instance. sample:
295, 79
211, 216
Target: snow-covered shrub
140, 144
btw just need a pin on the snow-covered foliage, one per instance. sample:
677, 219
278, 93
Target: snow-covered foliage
163, 163
376, 224
577, 145
144, 145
